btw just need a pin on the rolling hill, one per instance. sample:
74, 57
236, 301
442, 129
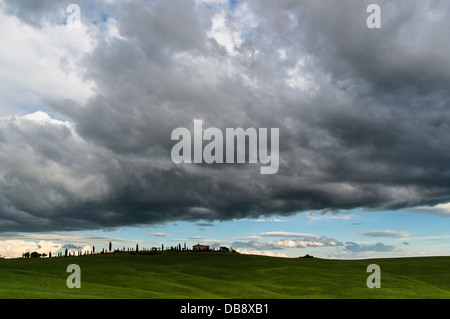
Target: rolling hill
189, 275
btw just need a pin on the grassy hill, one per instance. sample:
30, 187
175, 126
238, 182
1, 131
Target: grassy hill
222, 275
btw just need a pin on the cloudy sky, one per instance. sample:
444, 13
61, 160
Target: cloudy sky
87, 109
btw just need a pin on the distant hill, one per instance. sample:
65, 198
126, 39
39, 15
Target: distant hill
222, 275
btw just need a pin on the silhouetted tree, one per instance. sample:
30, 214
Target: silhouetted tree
110, 246
35, 254
137, 248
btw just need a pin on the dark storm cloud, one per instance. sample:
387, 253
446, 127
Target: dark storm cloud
363, 115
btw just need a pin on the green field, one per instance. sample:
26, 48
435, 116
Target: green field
188, 275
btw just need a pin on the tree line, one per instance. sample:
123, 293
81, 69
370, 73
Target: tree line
122, 250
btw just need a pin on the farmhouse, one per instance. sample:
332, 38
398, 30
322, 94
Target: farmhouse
199, 247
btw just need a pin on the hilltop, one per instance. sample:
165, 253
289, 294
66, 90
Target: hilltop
222, 275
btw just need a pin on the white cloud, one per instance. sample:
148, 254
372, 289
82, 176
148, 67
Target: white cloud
40, 62
378, 247
261, 253
230, 30
442, 210
159, 234
15, 248
285, 234
339, 216
385, 233
288, 243
263, 220
13, 245
298, 78
434, 237
202, 240
223, 34
247, 237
